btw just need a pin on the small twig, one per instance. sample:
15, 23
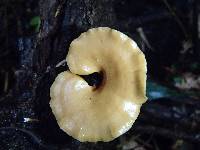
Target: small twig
61, 63
144, 38
177, 19
135, 137
145, 143
36, 138
6, 82
30, 120
150, 138
156, 145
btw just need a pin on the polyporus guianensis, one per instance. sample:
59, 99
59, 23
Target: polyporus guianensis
102, 113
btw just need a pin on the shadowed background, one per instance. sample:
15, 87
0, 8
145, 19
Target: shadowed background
34, 39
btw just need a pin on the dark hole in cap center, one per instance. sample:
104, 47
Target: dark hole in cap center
94, 79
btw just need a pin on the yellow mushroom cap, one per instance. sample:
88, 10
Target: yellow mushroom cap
104, 113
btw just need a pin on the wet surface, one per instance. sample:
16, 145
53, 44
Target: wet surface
32, 60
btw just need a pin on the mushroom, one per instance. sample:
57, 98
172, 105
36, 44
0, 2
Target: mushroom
102, 113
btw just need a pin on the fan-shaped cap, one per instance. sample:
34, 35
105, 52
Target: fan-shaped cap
100, 114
